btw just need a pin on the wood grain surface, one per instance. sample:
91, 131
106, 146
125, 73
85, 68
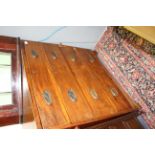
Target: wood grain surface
80, 89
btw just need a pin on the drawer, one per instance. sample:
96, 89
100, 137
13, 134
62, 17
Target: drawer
93, 91
107, 83
131, 123
42, 88
70, 93
119, 123
101, 93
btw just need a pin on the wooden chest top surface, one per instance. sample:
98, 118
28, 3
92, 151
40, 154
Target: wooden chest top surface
69, 87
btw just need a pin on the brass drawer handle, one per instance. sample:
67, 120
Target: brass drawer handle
114, 92
54, 56
34, 54
94, 94
47, 97
91, 58
73, 57
72, 95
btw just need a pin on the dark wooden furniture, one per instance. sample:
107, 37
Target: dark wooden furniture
67, 87
11, 114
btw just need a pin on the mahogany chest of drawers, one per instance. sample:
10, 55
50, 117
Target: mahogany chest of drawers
67, 87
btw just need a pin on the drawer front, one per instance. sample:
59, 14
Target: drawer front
101, 93
42, 89
94, 93
131, 123
115, 95
69, 91
111, 88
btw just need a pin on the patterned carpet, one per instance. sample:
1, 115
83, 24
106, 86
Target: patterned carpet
131, 61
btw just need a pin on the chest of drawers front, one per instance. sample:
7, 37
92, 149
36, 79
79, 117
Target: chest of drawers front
69, 87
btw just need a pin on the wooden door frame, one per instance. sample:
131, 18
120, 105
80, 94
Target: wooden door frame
11, 114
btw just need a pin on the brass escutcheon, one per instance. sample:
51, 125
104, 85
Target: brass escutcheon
73, 57
47, 97
91, 58
114, 92
94, 94
34, 54
72, 95
54, 56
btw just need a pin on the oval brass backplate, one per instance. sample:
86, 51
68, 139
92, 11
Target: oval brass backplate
114, 92
91, 58
34, 54
72, 95
94, 94
54, 56
47, 97
73, 57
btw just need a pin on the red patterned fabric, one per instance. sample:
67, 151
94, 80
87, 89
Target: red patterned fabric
132, 66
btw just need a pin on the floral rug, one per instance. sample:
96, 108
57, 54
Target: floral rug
131, 61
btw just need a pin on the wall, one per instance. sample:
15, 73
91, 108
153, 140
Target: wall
80, 36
